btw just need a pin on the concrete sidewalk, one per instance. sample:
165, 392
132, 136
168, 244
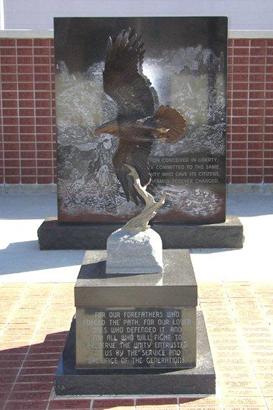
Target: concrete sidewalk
21, 260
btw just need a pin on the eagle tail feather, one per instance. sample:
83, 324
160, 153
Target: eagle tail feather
170, 124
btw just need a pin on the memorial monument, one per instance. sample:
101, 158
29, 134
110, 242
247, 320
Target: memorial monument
137, 329
180, 86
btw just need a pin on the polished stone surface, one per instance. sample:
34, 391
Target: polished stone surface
185, 60
54, 235
176, 286
199, 380
140, 307
136, 338
134, 252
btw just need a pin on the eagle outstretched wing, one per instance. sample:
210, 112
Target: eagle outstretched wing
123, 80
137, 124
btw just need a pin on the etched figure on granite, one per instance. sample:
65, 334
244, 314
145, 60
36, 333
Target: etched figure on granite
139, 121
128, 102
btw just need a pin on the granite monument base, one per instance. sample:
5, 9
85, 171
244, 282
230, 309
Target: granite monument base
55, 235
136, 321
136, 334
198, 380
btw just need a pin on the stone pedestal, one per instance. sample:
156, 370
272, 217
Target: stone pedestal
136, 334
197, 380
56, 235
122, 321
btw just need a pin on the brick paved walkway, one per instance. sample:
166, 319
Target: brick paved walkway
35, 319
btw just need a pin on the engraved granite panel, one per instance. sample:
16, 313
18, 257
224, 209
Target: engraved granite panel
184, 59
128, 338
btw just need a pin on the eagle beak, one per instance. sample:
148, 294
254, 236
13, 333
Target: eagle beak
110, 127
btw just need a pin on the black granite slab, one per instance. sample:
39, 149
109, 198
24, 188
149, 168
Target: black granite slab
198, 380
185, 59
55, 235
176, 286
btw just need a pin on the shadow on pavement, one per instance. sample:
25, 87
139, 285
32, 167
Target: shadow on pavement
26, 256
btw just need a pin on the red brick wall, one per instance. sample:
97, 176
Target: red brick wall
250, 111
27, 139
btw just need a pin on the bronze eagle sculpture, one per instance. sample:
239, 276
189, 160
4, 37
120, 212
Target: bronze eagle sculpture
139, 123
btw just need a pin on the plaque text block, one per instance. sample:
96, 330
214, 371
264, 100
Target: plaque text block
136, 338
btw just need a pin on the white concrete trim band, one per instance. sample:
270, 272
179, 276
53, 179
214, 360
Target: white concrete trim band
49, 34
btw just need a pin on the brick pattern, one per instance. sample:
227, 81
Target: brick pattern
34, 323
250, 111
27, 114
27, 111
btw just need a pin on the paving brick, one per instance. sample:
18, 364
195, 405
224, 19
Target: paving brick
35, 378
250, 402
269, 402
26, 405
116, 403
28, 395
25, 371
153, 406
69, 404
205, 403
33, 387
160, 403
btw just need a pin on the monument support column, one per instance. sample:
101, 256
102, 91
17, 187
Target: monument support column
136, 334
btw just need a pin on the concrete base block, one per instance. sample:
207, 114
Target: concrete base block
55, 235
